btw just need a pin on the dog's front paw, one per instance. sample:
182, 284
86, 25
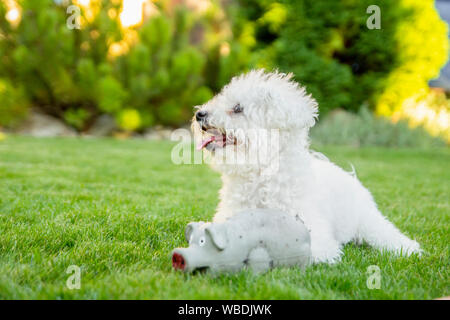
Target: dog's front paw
330, 253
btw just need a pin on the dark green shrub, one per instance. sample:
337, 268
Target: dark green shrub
162, 74
343, 63
13, 104
58, 67
153, 73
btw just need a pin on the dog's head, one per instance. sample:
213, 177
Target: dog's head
252, 106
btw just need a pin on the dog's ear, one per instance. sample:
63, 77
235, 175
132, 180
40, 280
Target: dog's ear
190, 228
293, 108
218, 234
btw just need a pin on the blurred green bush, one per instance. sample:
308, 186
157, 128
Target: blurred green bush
150, 73
343, 63
13, 103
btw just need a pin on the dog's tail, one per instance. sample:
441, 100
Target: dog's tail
353, 172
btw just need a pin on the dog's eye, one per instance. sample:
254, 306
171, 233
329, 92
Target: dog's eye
237, 108
201, 241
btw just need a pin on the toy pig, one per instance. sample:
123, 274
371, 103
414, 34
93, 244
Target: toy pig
258, 239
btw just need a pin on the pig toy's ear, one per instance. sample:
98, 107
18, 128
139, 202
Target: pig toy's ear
190, 228
218, 235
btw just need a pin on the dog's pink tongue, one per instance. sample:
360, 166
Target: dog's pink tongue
205, 142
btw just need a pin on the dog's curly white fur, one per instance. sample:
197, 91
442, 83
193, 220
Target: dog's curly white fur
333, 204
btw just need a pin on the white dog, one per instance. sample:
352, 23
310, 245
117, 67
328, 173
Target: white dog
333, 204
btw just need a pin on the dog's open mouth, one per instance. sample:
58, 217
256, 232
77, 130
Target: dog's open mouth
215, 138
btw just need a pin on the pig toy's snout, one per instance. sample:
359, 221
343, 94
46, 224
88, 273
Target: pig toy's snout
178, 261
187, 260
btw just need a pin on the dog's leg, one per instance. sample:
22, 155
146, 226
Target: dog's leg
324, 247
383, 235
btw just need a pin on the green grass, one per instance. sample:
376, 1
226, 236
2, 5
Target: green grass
118, 208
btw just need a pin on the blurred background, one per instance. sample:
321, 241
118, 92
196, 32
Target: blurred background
137, 67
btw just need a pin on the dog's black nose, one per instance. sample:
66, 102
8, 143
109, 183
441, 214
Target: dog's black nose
201, 115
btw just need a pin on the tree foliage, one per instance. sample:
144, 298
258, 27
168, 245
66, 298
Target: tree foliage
154, 72
343, 63
179, 56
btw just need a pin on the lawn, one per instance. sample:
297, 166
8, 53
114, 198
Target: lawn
117, 209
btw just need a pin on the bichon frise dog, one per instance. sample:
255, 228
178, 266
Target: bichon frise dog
334, 205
